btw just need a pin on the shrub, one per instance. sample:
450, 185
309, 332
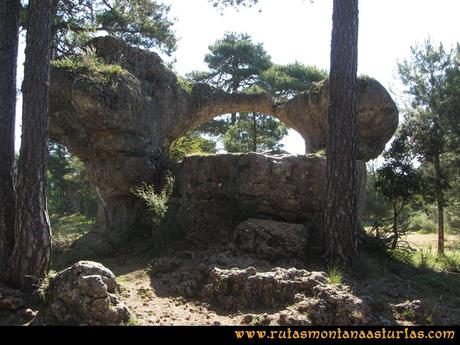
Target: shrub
422, 223
157, 202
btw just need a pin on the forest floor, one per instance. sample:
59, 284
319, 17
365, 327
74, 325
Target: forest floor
389, 281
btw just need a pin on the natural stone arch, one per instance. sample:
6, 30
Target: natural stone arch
120, 125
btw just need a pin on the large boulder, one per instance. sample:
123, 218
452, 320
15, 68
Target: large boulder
121, 122
84, 294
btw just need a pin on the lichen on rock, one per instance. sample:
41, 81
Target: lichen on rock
84, 294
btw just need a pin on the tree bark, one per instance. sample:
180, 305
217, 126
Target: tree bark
32, 250
9, 31
440, 204
341, 224
441, 226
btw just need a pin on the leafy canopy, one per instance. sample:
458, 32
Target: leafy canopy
143, 23
235, 62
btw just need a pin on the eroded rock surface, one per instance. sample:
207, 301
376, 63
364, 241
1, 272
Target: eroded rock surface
121, 124
214, 194
84, 294
272, 240
235, 282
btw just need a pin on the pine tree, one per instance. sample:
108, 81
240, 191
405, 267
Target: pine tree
426, 76
341, 223
32, 233
9, 29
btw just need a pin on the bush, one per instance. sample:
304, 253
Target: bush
190, 144
157, 202
422, 222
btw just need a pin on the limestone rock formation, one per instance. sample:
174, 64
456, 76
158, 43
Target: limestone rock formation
232, 280
272, 240
214, 194
120, 124
84, 294
240, 289
307, 295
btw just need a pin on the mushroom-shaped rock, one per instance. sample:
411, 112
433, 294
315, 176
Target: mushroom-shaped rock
120, 121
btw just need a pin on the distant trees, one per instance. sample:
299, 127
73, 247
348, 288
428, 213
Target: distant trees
237, 64
397, 179
431, 83
68, 189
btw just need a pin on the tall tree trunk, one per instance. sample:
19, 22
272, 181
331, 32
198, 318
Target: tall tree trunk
440, 226
9, 31
341, 225
32, 250
440, 204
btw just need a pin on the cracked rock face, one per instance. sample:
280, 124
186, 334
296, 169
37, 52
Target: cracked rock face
121, 125
213, 195
272, 240
309, 299
84, 294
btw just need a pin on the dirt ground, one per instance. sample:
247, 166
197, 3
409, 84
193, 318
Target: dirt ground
391, 285
388, 283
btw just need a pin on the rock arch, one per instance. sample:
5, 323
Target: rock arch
121, 124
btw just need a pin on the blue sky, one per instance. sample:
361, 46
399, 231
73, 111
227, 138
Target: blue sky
300, 30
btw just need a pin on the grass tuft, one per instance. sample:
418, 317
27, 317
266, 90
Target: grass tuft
334, 275
90, 65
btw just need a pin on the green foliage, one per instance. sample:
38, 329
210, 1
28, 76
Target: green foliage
376, 207
142, 23
157, 202
255, 133
190, 144
428, 122
423, 221
285, 81
427, 259
44, 284
397, 180
429, 78
68, 189
235, 62
185, 84
67, 229
334, 275
232, 3
90, 65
